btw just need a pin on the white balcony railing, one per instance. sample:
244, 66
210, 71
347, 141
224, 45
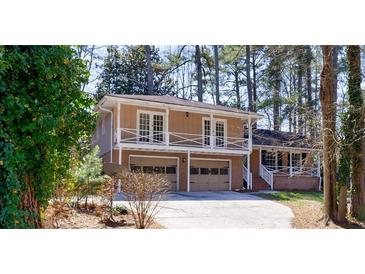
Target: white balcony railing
179, 139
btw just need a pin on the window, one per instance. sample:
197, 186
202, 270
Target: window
207, 132
219, 133
148, 169
194, 170
296, 160
144, 127
157, 128
204, 171
159, 169
214, 171
135, 168
269, 159
171, 170
151, 127
223, 171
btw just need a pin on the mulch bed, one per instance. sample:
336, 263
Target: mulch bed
76, 218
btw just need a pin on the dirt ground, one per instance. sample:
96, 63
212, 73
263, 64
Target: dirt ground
89, 219
308, 211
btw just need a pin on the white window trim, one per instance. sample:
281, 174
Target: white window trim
213, 131
151, 113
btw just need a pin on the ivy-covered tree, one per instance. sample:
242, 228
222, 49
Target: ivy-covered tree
43, 115
125, 71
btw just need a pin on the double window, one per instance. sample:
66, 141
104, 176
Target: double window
151, 127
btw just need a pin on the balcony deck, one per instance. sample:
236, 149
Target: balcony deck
179, 141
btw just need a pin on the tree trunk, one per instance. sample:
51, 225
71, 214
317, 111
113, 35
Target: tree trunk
300, 99
254, 84
237, 88
30, 203
216, 64
329, 127
248, 79
198, 64
310, 110
356, 118
149, 70
276, 110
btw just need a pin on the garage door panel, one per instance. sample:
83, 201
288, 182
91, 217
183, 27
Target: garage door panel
212, 175
167, 167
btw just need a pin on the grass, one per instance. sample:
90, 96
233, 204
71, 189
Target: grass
296, 196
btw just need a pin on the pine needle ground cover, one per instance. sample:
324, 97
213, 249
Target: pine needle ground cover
307, 208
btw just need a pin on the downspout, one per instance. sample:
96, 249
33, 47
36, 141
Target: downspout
111, 131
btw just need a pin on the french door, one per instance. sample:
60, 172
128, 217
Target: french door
215, 128
151, 127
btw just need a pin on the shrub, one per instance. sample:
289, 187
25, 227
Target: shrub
144, 192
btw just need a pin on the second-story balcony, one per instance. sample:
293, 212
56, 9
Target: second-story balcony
181, 141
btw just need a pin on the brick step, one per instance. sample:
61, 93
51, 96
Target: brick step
259, 184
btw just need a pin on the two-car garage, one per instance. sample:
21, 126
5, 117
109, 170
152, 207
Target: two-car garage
206, 174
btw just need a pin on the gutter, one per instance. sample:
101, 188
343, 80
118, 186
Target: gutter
111, 130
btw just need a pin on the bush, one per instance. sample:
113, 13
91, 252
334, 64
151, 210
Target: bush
144, 192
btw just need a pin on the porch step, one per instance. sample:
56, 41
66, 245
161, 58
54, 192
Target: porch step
259, 184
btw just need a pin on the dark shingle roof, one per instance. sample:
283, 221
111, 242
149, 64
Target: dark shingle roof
279, 138
181, 102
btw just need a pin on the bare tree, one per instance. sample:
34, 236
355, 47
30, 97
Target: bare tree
216, 65
144, 192
149, 69
329, 128
198, 63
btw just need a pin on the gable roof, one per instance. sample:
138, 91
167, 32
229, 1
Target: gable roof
172, 100
267, 137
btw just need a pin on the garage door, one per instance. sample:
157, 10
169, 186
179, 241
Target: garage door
165, 166
209, 175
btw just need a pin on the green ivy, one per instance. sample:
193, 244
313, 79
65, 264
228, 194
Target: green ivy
43, 115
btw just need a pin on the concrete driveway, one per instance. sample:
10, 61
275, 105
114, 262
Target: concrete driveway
222, 210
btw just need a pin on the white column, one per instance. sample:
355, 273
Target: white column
211, 130
290, 163
167, 130
120, 163
249, 134
118, 125
188, 173
249, 183
318, 165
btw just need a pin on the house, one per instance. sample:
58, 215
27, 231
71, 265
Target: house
200, 146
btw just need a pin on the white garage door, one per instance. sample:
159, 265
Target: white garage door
166, 166
209, 175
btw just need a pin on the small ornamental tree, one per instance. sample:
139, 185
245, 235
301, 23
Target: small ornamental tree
43, 115
89, 178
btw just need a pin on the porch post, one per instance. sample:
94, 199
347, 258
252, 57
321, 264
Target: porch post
120, 163
211, 130
167, 127
249, 134
249, 183
318, 165
118, 125
291, 168
188, 173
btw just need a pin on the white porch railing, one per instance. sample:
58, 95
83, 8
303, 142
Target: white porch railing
267, 175
293, 171
247, 177
129, 135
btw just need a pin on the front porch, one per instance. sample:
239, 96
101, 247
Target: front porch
278, 168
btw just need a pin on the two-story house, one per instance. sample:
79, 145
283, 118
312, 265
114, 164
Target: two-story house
198, 146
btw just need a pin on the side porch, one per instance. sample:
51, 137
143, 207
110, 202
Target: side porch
282, 168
